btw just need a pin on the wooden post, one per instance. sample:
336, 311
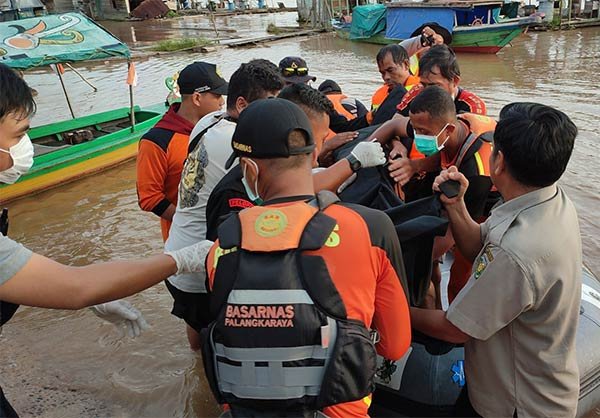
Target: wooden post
127, 7
212, 18
131, 105
81, 76
62, 83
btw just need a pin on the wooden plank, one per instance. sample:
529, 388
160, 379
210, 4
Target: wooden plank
272, 38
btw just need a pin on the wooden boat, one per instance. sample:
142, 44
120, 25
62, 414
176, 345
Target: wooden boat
68, 150
475, 25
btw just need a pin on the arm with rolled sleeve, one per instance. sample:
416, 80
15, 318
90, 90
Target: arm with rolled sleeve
488, 303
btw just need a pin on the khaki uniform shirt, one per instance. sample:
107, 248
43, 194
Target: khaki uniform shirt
521, 308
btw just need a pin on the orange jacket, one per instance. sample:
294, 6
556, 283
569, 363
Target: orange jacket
382, 92
161, 154
336, 99
369, 286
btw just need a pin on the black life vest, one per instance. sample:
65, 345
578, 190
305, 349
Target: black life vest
282, 343
7, 310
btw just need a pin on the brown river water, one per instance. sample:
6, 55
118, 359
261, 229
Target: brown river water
68, 364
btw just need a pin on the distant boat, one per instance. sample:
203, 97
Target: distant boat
476, 26
69, 150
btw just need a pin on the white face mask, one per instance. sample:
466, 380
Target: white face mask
22, 156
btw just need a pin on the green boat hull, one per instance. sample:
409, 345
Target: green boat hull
57, 163
488, 39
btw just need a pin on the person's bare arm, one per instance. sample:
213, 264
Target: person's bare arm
333, 176
433, 322
402, 169
48, 284
466, 232
390, 129
168, 213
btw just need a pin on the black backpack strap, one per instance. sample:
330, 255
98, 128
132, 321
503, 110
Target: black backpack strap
467, 149
326, 198
320, 226
194, 142
230, 231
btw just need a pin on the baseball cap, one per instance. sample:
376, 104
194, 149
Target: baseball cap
437, 28
294, 70
263, 128
201, 77
329, 86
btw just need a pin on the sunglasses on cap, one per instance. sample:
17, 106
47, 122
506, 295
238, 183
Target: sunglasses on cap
301, 71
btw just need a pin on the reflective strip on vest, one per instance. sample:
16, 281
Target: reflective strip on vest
273, 381
271, 353
275, 375
480, 166
269, 392
272, 297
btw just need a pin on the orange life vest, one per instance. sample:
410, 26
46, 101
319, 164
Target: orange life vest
379, 96
338, 99
478, 124
382, 92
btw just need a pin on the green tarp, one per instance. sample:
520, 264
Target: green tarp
53, 39
367, 21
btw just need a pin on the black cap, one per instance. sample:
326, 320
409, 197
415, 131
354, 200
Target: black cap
437, 28
263, 128
329, 86
201, 77
294, 70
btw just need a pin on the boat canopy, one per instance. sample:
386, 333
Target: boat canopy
54, 39
367, 20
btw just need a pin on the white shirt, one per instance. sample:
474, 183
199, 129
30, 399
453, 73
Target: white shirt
203, 169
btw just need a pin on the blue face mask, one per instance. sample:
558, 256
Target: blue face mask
253, 196
428, 144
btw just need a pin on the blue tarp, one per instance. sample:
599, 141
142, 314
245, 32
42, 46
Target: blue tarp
402, 21
367, 21
52, 39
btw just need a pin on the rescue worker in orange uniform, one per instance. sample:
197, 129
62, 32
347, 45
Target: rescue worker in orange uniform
163, 149
439, 67
394, 67
349, 107
293, 341
463, 141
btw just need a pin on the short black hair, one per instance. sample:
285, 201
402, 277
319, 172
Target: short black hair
15, 95
442, 57
252, 80
311, 101
434, 100
536, 141
399, 54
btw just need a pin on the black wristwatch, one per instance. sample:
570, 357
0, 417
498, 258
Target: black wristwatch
354, 163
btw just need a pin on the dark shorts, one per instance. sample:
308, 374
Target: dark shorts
191, 307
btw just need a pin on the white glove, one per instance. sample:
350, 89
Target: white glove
370, 154
123, 315
191, 259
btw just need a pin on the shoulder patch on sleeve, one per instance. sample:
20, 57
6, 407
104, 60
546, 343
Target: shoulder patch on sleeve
159, 136
474, 102
408, 97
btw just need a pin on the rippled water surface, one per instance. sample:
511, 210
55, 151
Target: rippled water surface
67, 364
